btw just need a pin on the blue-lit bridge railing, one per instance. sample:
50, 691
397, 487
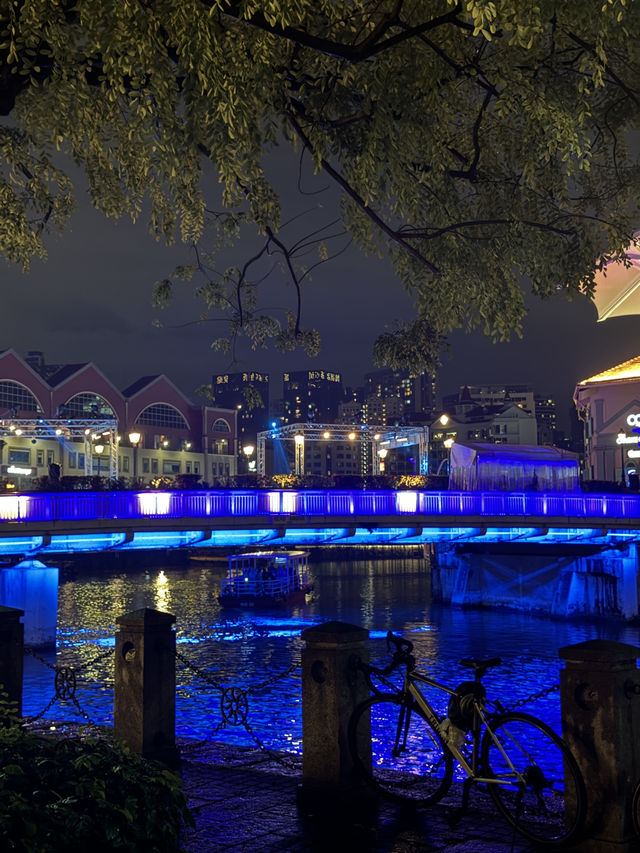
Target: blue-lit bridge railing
70, 521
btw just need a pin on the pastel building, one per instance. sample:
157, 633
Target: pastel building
158, 431
608, 404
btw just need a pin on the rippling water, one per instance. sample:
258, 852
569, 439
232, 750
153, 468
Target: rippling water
252, 650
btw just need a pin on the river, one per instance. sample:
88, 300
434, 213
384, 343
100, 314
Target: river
261, 651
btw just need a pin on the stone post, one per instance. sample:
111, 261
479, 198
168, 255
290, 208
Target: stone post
144, 708
601, 725
11, 654
331, 688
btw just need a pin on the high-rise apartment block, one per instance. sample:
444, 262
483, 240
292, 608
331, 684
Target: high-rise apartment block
390, 397
311, 395
248, 393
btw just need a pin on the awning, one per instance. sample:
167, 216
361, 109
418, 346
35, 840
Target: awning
617, 291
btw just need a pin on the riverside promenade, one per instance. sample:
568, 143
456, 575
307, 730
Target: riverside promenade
245, 800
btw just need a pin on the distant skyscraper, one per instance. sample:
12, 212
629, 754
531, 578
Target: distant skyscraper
238, 391
406, 398
311, 395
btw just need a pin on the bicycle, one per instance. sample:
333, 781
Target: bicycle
406, 751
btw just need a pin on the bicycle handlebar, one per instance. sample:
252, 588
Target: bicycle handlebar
402, 646
402, 656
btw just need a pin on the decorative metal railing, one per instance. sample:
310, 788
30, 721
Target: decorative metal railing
79, 506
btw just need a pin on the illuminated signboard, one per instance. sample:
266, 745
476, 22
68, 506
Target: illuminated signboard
15, 469
321, 374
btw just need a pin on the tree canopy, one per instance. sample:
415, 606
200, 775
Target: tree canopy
476, 143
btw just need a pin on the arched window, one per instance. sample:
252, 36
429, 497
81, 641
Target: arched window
162, 415
87, 405
221, 426
16, 398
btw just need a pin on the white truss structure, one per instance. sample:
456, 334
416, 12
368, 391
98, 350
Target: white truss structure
92, 431
371, 438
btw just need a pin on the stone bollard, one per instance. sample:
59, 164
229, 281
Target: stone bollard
601, 725
12, 654
331, 689
144, 707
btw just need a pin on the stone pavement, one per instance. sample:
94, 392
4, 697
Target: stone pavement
244, 800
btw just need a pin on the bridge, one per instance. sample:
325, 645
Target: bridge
565, 554
50, 523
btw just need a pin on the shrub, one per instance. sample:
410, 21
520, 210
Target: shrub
76, 794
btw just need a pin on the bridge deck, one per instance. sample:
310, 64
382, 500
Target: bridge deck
91, 521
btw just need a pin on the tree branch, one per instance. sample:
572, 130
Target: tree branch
360, 202
432, 233
368, 47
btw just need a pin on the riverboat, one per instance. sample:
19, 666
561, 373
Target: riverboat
266, 579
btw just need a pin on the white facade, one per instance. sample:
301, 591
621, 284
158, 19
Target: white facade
608, 404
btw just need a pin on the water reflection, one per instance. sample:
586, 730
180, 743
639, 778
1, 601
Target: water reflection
249, 649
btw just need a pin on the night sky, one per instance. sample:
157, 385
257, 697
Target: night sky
91, 301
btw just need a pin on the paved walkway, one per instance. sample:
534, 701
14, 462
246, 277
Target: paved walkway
243, 801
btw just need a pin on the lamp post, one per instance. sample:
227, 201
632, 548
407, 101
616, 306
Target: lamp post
299, 460
248, 451
382, 455
99, 449
134, 438
448, 442
621, 441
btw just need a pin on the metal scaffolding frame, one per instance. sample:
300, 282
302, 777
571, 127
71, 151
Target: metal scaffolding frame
61, 429
372, 440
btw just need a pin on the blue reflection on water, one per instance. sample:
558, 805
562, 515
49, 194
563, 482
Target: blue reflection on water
252, 650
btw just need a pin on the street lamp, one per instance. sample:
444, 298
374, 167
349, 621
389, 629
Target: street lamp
134, 438
382, 454
621, 441
248, 450
448, 442
99, 449
299, 462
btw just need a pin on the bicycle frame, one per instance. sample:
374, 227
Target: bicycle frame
472, 770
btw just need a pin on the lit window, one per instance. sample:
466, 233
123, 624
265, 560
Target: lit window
88, 406
15, 397
162, 415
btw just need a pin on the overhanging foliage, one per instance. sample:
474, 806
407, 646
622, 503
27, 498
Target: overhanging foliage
475, 143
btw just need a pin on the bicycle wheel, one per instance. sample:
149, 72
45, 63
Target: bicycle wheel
540, 790
395, 749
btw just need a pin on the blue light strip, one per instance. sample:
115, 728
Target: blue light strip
373, 517
78, 506
311, 536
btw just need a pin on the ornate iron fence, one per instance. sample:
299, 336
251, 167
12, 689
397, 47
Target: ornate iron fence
233, 703
66, 680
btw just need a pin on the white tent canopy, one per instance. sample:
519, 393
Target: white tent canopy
501, 467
